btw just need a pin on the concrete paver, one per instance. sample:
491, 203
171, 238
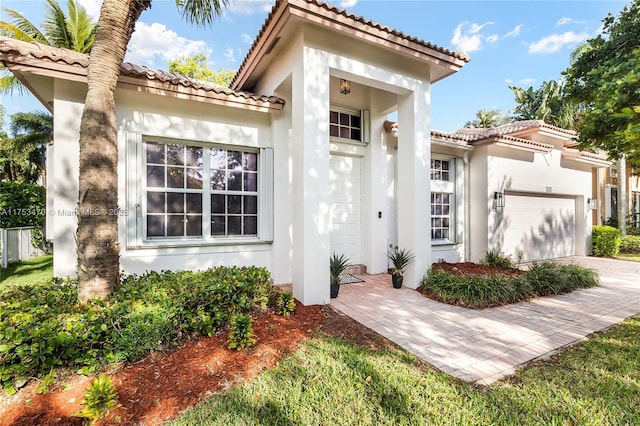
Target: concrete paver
486, 345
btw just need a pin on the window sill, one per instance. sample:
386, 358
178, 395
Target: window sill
444, 243
165, 244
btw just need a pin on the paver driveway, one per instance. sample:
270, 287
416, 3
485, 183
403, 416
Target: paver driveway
485, 345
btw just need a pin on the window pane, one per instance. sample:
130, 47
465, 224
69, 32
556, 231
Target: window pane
155, 202
250, 161
355, 134
344, 119
194, 178
445, 234
194, 225
234, 181
218, 204
234, 160
218, 225
334, 131
251, 182
234, 204
234, 225
344, 132
155, 176
175, 202
218, 180
155, 226
355, 121
175, 154
218, 158
175, 226
194, 156
194, 203
445, 165
333, 117
250, 204
250, 225
175, 177
155, 153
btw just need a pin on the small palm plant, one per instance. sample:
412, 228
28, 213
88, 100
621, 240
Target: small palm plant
337, 265
400, 259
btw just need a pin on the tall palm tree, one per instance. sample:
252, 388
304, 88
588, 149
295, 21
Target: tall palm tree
97, 239
486, 118
73, 30
546, 103
22, 155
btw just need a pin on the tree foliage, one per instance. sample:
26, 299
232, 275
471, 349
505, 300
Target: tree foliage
74, 30
486, 118
196, 67
22, 156
605, 78
546, 103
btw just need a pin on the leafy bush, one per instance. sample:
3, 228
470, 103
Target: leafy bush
481, 291
606, 240
241, 335
630, 244
100, 398
497, 259
286, 306
43, 327
633, 231
21, 204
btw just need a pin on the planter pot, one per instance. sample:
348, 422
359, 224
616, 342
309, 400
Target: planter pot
335, 287
397, 280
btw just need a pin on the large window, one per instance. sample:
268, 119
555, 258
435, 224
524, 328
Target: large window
442, 199
196, 192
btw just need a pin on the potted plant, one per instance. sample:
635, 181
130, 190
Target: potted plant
337, 265
400, 259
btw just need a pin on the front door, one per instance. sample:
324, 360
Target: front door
345, 179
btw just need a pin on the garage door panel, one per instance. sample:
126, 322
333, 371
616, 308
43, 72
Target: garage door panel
538, 227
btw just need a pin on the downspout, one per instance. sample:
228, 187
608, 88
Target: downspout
467, 208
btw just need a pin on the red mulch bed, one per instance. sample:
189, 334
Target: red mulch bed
161, 386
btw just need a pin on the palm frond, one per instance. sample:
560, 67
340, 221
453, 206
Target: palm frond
21, 27
201, 12
9, 84
81, 28
55, 25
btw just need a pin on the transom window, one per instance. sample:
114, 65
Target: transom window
195, 192
440, 215
345, 125
440, 170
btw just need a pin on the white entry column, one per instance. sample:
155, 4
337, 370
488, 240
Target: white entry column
413, 186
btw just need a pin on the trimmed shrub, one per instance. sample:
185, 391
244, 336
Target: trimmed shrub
630, 244
43, 327
633, 231
497, 259
606, 240
548, 277
241, 335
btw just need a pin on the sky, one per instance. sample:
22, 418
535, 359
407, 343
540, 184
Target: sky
511, 43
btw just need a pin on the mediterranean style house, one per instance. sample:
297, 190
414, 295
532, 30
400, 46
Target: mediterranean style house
297, 160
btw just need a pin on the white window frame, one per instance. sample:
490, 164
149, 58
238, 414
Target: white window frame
364, 125
447, 187
137, 196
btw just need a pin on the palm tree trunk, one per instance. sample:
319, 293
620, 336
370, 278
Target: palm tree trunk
97, 240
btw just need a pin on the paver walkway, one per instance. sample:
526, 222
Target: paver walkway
485, 345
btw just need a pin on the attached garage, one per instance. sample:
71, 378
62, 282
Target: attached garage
345, 177
540, 226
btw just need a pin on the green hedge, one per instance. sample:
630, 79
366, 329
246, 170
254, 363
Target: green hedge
605, 240
21, 204
44, 327
482, 291
630, 244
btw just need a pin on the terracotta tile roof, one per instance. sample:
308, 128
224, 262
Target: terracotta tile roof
476, 134
355, 18
9, 46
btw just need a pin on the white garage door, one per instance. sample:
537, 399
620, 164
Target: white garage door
346, 207
539, 227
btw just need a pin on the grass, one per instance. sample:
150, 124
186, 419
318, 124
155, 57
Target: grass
27, 272
333, 381
629, 256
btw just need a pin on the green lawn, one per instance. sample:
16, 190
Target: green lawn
334, 382
30, 271
629, 256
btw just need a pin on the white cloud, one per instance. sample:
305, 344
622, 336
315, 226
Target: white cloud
515, 31
345, 4
555, 42
567, 20
154, 45
508, 80
230, 55
493, 38
250, 7
470, 39
93, 8
246, 38
522, 82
